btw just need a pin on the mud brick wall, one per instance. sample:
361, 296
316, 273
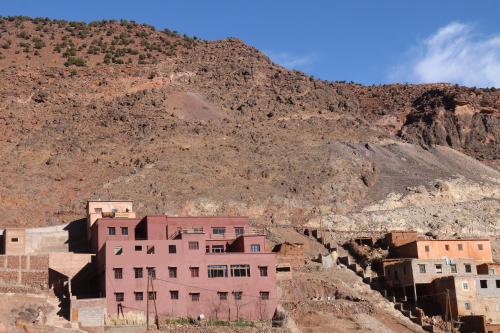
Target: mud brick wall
29, 272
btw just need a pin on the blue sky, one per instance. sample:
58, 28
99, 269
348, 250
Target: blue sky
369, 42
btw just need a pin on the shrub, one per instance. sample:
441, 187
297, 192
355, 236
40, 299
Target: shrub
38, 43
75, 61
24, 35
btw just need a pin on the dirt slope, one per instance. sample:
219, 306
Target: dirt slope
188, 126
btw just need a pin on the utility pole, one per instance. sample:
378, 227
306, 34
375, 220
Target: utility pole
147, 304
157, 321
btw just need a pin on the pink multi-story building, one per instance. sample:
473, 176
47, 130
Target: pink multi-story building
215, 266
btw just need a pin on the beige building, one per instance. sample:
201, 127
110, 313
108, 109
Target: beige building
470, 295
14, 241
114, 208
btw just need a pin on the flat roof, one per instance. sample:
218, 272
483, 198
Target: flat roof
110, 201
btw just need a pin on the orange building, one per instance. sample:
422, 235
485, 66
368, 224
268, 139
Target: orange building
475, 249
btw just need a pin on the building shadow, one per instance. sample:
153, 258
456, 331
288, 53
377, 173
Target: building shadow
77, 236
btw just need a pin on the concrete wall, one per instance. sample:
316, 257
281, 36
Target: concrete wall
88, 313
30, 272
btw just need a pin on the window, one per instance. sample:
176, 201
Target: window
240, 270
480, 247
439, 268
255, 248
491, 271
111, 231
119, 297
465, 285
222, 295
218, 231
118, 273
152, 295
421, 268
460, 247
195, 297
174, 294
138, 295
427, 248
118, 251
195, 271
216, 271
150, 249
193, 245
447, 247
207, 249
151, 272
498, 283
172, 249
237, 295
238, 231
483, 284
468, 268
453, 268
124, 231
264, 295
14, 240
467, 306
172, 272
263, 270
138, 248
217, 248
198, 229
138, 272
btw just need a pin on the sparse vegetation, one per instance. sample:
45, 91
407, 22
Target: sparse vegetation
75, 61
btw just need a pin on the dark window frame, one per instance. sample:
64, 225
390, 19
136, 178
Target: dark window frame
118, 272
174, 294
111, 231
172, 272
195, 272
195, 297
172, 249
119, 296
138, 272
139, 295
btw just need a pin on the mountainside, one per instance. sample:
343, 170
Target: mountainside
116, 110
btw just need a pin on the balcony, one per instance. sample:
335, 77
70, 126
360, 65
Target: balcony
221, 236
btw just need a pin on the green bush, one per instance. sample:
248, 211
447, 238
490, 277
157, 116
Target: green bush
38, 43
75, 61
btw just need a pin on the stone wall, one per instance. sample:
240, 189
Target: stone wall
23, 273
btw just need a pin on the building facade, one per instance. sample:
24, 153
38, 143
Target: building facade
213, 266
476, 249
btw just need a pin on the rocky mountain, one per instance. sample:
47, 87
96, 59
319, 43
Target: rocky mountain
186, 126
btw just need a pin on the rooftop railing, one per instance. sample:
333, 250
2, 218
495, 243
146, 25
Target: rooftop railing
225, 235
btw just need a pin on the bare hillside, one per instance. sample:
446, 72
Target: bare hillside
119, 110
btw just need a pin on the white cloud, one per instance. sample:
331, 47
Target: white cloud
289, 60
456, 54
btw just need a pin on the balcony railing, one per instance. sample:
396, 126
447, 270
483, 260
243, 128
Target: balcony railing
226, 235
